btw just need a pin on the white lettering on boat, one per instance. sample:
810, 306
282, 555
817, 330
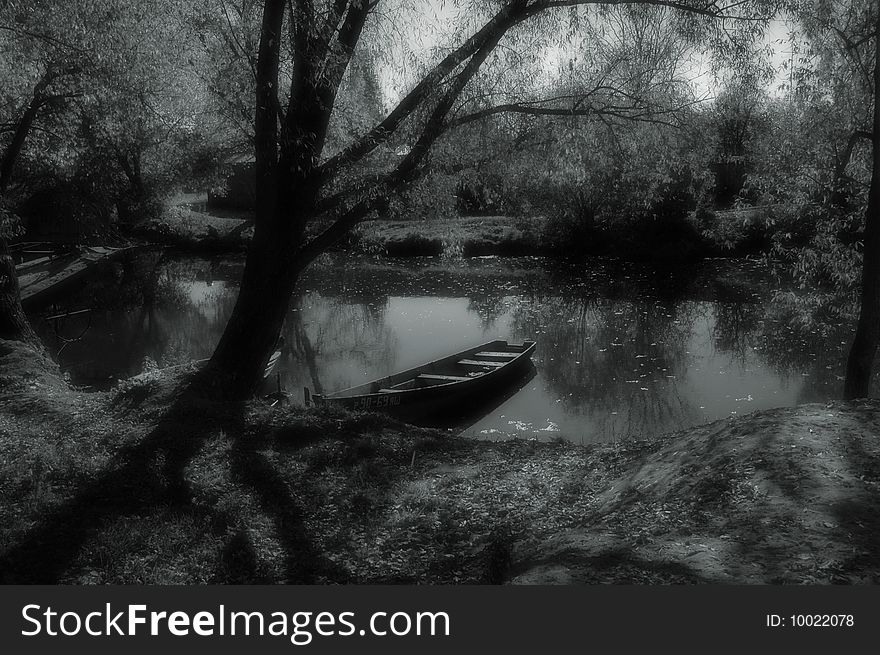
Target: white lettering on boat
376, 402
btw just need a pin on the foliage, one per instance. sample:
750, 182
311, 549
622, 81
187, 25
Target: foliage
639, 192
821, 251
10, 225
103, 94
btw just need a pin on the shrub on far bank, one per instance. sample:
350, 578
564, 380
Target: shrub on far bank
822, 250
757, 230
522, 239
413, 245
68, 211
626, 216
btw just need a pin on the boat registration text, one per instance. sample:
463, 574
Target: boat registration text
375, 402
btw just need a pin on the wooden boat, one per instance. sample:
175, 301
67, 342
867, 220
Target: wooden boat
44, 276
457, 382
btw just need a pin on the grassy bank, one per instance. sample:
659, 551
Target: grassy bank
740, 232
154, 483
462, 236
491, 235
193, 231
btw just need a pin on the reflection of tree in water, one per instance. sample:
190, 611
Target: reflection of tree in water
618, 361
149, 310
181, 317
299, 349
807, 335
149, 278
488, 306
734, 327
329, 341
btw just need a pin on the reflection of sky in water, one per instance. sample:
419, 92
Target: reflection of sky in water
429, 328
607, 367
203, 296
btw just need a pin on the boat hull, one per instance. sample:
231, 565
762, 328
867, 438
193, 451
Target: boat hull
453, 399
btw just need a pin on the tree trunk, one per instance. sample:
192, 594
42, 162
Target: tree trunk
287, 187
864, 347
839, 192
14, 324
23, 128
12, 152
257, 318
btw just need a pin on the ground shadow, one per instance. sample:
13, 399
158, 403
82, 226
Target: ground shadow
859, 516
150, 475
303, 563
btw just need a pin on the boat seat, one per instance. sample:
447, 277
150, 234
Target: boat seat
482, 363
443, 378
498, 354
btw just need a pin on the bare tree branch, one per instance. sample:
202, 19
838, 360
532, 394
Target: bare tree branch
44, 37
509, 16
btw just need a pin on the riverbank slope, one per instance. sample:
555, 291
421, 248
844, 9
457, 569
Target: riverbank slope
728, 233
153, 482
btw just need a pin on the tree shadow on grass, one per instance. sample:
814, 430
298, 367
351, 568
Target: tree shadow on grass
303, 564
149, 475
142, 476
859, 516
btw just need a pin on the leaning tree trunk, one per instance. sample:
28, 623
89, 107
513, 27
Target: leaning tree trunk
287, 186
23, 128
257, 318
839, 192
14, 324
864, 347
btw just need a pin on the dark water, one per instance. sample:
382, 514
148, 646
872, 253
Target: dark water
623, 351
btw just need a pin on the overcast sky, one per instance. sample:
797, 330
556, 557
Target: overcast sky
418, 30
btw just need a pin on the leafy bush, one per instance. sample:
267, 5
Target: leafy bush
629, 214
820, 250
413, 245
481, 195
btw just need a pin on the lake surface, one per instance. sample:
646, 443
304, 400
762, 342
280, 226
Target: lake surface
623, 350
